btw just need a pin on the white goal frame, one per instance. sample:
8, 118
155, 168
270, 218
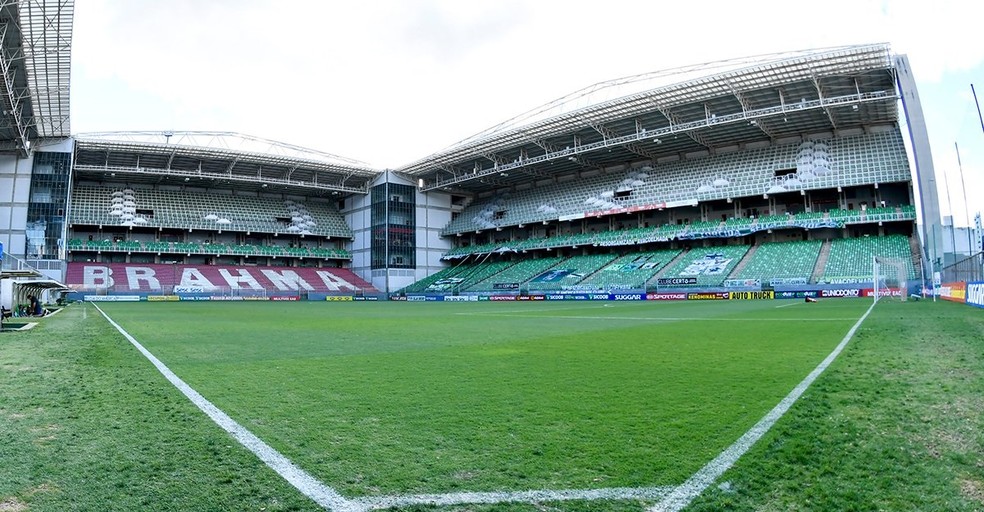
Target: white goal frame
887, 273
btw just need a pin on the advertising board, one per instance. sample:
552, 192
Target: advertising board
975, 294
762, 295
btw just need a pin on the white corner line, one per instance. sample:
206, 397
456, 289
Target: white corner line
702, 479
300, 479
533, 496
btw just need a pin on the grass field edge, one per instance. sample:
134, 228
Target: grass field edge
682, 495
311, 487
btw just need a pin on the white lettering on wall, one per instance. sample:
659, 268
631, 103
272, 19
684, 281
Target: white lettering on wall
136, 275
97, 277
286, 280
243, 278
335, 283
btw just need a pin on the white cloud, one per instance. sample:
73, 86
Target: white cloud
391, 81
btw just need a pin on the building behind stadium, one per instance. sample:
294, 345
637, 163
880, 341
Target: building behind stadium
705, 165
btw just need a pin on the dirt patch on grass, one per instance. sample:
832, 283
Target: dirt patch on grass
41, 489
45, 434
12, 504
972, 490
464, 475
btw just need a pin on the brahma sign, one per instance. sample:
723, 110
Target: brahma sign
132, 277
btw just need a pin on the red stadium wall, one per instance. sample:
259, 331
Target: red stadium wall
149, 278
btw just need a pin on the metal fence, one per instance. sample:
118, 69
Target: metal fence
967, 269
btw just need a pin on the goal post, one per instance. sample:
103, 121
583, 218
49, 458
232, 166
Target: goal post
889, 274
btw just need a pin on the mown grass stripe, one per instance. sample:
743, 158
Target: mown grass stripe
681, 496
300, 479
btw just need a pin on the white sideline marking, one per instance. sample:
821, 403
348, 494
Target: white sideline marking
696, 484
300, 479
787, 305
461, 498
666, 318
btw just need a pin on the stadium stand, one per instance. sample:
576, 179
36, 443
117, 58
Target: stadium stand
103, 206
856, 160
217, 249
631, 271
783, 260
519, 273
710, 265
850, 259
571, 272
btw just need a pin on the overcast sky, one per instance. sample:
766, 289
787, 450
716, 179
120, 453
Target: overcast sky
389, 82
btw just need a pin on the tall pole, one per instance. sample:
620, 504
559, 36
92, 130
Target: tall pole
953, 236
978, 106
970, 247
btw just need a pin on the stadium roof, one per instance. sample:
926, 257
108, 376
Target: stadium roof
216, 159
770, 98
35, 64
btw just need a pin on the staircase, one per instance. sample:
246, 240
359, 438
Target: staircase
671, 264
744, 262
821, 261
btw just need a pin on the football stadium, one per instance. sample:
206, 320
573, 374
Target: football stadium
723, 287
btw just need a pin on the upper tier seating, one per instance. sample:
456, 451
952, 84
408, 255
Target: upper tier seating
210, 248
782, 260
710, 265
197, 210
847, 161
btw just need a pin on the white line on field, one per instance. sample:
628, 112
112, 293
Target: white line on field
787, 305
665, 318
461, 498
300, 479
696, 484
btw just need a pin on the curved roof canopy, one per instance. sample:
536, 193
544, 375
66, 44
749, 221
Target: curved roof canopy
211, 159
35, 68
769, 98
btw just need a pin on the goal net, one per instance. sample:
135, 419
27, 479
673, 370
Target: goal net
890, 279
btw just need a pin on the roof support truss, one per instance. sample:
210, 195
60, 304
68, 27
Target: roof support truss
826, 110
761, 124
574, 157
675, 121
608, 133
9, 98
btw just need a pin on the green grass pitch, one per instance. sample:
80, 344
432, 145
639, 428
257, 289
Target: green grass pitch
384, 399
429, 398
